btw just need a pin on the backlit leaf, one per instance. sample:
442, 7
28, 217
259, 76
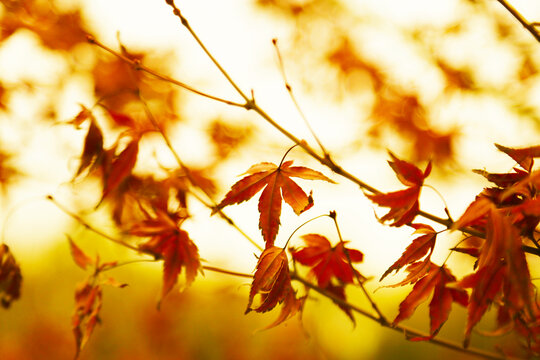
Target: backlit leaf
403, 204
524, 156
271, 280
415, 251
80, 258
327, 261
173, 245
121, 167
278, 186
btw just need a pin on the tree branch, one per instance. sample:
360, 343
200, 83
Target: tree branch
213, 205
137, 65
529, 26
401, 328
325, 160
90, 227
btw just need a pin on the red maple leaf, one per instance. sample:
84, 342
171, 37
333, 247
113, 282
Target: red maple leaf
504, 180
93, 144
277, 184
88, 296
173, 245
327, 261
272, 281
80, 258
88, 302
419, 247
435, 281
403, 204
120, 167
475, 215
524, 156
502, 271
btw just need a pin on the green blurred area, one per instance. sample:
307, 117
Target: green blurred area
206, 321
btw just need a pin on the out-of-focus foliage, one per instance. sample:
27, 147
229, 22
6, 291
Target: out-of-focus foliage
129, 109
401, 104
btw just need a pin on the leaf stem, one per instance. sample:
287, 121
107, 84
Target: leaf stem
293, 98
285, 155
187, 172
298, 228
382, 319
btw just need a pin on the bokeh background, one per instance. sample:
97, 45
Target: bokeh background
438, 81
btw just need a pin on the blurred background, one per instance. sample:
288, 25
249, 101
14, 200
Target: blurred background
439, 81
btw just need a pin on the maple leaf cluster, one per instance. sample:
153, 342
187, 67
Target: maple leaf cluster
428, 278
508, 214
146, 208
272, 277
170, 243
88, 295
502, 221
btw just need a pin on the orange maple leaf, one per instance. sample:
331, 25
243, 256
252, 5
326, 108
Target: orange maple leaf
524, 156
278, 186
403, 204
272, 279
416, 250
502, 271
173, 245
88, 302
435, 281
80, 258
327, 261
93, 143
120, 167
475, 215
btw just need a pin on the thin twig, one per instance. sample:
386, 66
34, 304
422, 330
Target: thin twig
531, 27
401, 328
90, 227
382, 319
325, 160
184, 22
227, 272
293, 98
212, 206
137, 65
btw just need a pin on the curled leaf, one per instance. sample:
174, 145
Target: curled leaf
272, 280
419, 247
